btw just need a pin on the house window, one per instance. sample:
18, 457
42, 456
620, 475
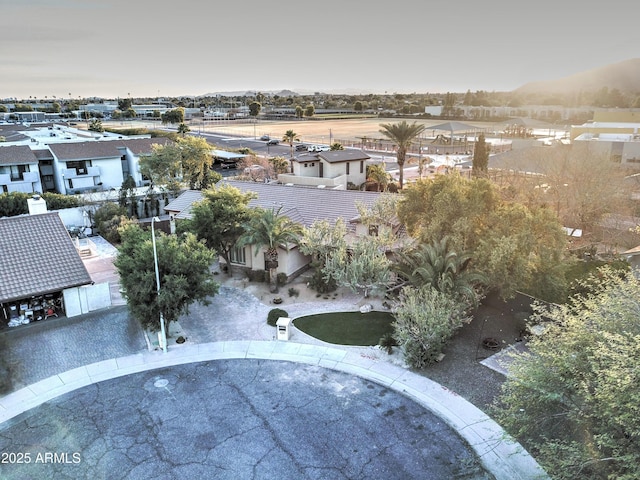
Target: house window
237, 256
80, 166
373, 230
306, 165
361, 166
347, 168
17, 172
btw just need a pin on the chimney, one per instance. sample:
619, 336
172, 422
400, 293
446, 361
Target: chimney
36, 205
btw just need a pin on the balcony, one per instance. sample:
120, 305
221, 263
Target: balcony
71, 173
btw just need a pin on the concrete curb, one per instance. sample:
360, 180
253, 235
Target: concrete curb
505, 458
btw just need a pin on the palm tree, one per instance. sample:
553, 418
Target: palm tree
437, 265
290, 136
402, 134
269, 228
183, 128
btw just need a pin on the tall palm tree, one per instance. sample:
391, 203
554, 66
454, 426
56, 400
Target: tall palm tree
446, 271
402, 134
290, 136
269, 228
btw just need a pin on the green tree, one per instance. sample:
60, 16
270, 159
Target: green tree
163, 166
362, 266
309, 110
357, 107
173, 116
378, 175
183, 129
124, 103
184, 271
321, 241
441, 268
196, 159
290, 136
108, 219
299, 111
481, 157
402, 134
95, 125
129, 113
279, 164
254, 109
424, 320
269, 228
220, 217
336, 146
516, 247
573, 398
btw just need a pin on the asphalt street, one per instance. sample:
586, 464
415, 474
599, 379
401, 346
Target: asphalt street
234, 419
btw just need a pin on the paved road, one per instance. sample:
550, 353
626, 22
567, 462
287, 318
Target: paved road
236, 419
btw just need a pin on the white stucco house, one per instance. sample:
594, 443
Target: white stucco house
19, 170
304, 205
332, 169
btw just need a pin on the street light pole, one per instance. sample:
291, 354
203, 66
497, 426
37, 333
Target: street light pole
155, 262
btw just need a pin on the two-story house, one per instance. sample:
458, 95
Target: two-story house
334, 169
19, 170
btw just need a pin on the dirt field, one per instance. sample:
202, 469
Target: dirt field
320, 131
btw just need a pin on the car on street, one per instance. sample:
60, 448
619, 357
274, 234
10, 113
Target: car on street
301, 147
273, 141
318, 148
265, 138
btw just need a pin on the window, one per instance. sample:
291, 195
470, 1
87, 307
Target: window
361, 166
347, 168
17, 172
80, 166
237, 256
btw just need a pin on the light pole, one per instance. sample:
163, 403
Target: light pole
163, 334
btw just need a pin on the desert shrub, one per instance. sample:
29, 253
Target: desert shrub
282, 279
274, 315
387, 342
320, 284
294, 292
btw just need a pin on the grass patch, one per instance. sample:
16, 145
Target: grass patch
347, 328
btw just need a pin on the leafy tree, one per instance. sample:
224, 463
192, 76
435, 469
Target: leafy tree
173, 116
279, 164
184, 271
516, 247
381, 219
320, 241
402, 134
299, 111
254, 109
183, 129
290, 136
124, 103
336, 146
129, 113
358, 106
108, 219
424, 320
573, 398
3, 109
309, 111
13, 203
269, 228
362, 266
163, 166
481, 157
220, 217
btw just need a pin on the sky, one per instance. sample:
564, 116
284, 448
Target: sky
119, 48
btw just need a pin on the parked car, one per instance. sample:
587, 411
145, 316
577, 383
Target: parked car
229, 165
273, 141
318, 148
301, 147
265, 138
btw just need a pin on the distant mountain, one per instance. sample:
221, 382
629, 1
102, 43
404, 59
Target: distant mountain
251, 93
625, 76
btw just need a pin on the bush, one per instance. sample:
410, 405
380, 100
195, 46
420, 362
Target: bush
107, 219
274, 315
57, 201
13, 203
387, 342
294, 292
282, 279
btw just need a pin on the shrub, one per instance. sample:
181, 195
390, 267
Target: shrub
274, 315
282, 279
57, 201
387, 342
294, 292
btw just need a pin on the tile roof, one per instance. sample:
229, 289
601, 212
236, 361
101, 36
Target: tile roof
38, 257
302, 204
17, 155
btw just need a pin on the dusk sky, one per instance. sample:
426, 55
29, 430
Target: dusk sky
116, 48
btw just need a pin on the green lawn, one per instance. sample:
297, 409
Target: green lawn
347, 328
